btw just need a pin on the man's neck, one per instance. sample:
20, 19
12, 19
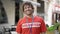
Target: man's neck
29, 16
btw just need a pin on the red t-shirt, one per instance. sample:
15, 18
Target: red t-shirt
38, 25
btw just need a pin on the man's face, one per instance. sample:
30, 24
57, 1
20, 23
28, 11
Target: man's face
28, 10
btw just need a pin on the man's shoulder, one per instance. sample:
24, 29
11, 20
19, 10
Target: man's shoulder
22, 19
38, 17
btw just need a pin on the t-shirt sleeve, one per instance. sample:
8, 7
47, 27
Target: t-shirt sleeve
43, 26
19, 28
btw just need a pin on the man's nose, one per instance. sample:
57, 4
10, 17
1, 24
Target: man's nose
27, 8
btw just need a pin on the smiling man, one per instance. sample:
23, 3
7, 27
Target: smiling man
30, 24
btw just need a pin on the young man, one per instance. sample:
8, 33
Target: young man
30, 24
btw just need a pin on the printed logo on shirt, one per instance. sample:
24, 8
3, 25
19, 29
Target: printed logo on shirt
29, 25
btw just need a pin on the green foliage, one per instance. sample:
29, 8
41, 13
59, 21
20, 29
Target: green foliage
52, 28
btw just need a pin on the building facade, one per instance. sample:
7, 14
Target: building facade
13, 11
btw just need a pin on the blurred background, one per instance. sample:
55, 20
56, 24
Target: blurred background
11, 12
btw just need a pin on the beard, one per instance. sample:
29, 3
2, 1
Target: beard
29, 12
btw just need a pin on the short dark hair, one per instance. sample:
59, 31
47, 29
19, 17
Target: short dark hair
27, 3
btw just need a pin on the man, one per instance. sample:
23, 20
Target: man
30, 24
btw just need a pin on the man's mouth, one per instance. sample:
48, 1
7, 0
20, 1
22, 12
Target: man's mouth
28, 10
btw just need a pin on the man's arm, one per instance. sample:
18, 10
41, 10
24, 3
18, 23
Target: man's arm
43, 27
18, 33
18, 28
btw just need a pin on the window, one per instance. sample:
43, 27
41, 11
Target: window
16, 11
3, 16
40, 10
